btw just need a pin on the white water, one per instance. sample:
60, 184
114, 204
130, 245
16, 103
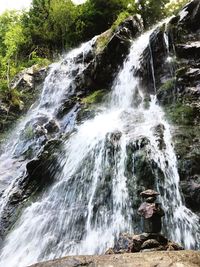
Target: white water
89, 203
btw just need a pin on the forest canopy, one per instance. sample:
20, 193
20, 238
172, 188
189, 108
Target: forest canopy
53, 26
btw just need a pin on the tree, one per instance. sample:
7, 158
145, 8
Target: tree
96, 16
151, 10
11, 36
62, 16
174, 6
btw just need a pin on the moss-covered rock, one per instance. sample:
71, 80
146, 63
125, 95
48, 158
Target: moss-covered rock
94, 98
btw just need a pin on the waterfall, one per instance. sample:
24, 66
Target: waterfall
57, 85
95, 195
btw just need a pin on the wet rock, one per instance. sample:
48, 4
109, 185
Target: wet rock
38, 176
102, 65
159, 133
152, 214
141, 172
191, 191
190, 50
111, 57
3, 109
52, 126
29, 78
171, 246
147, 210
65, 107
40, 131
110, 251
150, 199
115, 137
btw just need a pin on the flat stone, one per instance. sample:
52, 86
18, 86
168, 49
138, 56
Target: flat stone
149, 193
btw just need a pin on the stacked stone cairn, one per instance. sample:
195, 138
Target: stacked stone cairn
151, 239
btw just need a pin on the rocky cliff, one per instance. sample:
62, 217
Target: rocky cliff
175, 53
170, 70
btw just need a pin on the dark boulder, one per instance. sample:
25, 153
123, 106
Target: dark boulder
191, 191
190, 50
191, 20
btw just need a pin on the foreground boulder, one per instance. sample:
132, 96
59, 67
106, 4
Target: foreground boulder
153, 259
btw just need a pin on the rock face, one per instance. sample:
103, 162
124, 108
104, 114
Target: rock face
173, 54
27, 84
110, 50
153, 259
30, 183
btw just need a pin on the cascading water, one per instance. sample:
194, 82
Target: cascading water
90, 204
58, 83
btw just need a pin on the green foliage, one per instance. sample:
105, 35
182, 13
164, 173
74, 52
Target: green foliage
151, 11
95, 97
37, 61
173, 6
53, 26
181, 113
3, 89
169, 84
15, 99
121, 17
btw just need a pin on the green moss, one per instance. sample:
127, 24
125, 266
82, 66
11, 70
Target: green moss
95, 97
181, 114
3, 89
169, 84
103, 40
16, 99
181, 71
28, 133
121, 17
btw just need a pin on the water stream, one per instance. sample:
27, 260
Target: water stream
23, 138
90, 204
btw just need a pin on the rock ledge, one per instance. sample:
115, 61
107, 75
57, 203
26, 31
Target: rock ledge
145, 259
